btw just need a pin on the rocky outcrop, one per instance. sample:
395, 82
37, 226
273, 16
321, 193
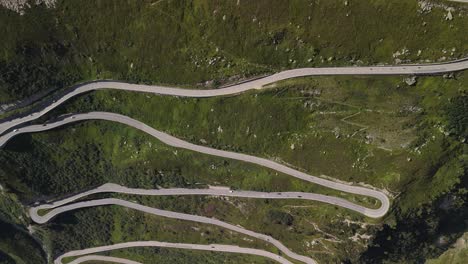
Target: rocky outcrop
20, 5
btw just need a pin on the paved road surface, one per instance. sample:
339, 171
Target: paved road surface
212, 247
239, 88
98, 258
175, 142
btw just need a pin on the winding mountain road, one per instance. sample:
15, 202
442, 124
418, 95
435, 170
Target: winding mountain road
64, 206
168, 214
239, 88
10, 128
212, 247
178, 143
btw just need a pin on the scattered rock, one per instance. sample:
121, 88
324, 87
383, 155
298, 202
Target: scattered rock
448, 75
425, 6
20, 5
411, 80
336, 132
398, 53
449, 16
442, 240
209, 83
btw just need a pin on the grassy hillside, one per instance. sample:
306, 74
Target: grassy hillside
456, 255
188, 42
408, 140
375, 130
16, 246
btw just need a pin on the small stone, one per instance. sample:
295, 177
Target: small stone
411, 80
449, 16
448, 76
